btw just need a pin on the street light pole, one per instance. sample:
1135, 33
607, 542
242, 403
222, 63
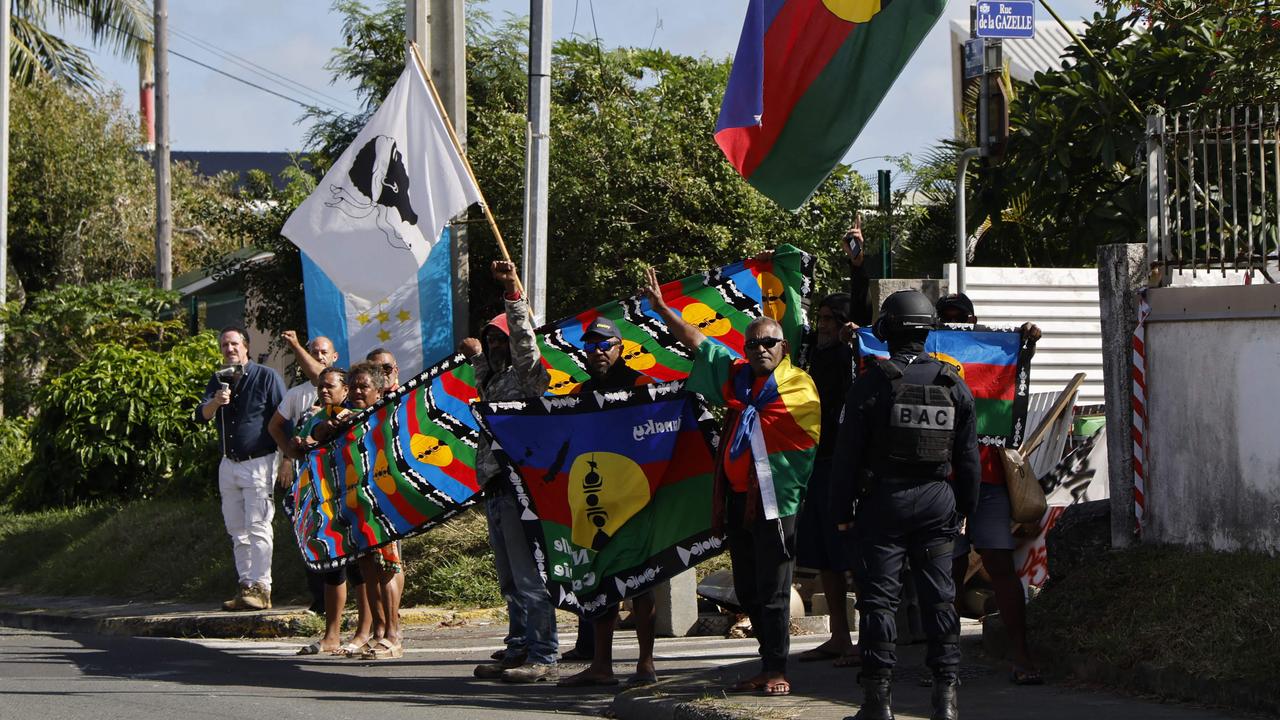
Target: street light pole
537, 163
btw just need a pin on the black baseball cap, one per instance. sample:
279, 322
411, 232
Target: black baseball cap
604, 327
958, 301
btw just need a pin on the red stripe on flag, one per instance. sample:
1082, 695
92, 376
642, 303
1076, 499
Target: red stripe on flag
803, 37
991, 382
456, 388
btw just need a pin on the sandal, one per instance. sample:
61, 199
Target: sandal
776, 688
383, 650
1025, 676
817, 654
640, 680
312, 649
745, 686
848, 660
349, 650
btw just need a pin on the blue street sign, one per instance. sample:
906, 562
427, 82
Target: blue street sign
1009, 19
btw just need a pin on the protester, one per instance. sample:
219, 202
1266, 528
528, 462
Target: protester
765, 460
988, 531
296, 406
508, 365
363, 389
386, 362
242, 396
332, 395
602, 343
907, 424
832, 364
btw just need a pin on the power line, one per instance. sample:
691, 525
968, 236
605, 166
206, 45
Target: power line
237, 78
259, 70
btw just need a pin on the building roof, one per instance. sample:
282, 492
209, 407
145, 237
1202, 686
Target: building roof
213, 162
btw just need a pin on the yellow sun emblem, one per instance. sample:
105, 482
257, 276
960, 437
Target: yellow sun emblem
858, 11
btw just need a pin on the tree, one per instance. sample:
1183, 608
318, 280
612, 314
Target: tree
1075, 161
123, 25
82, 199
636, 177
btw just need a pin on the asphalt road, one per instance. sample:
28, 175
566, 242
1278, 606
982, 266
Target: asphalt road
50, 675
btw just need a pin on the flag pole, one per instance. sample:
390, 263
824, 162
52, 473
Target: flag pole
457, 145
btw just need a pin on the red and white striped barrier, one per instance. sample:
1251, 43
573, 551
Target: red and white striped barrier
1140, 410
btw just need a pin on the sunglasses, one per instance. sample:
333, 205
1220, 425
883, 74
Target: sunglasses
767, 343
388, 368
603, 346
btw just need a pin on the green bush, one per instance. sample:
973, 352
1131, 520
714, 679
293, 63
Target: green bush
118, 426
15, 453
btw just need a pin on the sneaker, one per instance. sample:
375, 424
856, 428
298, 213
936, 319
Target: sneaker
532, 673
237, 602
258, 597
493, 671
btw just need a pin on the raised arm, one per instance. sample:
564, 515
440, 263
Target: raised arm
688, 335
310, 366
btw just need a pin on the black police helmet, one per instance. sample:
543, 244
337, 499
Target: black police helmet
904, 310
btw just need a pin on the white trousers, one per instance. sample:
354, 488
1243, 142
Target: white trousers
247, 511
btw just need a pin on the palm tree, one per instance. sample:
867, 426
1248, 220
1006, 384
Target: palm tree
122, 25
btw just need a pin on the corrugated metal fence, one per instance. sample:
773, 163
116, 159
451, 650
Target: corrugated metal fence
1063, 302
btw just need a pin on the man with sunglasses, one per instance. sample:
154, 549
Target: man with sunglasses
602, 344
767, 450
383, 358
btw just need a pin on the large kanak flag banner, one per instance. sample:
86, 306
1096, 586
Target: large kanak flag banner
372, 221
806, 78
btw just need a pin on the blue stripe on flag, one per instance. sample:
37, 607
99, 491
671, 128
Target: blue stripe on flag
435, 301
326, 309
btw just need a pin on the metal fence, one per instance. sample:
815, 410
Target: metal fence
1212, 200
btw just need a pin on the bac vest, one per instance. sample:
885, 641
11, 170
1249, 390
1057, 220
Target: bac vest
922, 417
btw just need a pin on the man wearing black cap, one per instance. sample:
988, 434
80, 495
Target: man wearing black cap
988, 530
602, 343
907, 424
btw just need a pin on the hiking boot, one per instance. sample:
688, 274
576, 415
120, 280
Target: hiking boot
536, 672
876, 698
946, 704
493, 671
237, 602
258, 597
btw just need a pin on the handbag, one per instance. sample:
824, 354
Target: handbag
1027, 502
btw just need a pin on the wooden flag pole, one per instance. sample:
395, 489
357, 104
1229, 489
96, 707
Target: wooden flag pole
457, 145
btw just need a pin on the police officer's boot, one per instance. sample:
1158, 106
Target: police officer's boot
876, 698
946, 705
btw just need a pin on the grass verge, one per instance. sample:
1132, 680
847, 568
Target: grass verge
178, 550
1210, 615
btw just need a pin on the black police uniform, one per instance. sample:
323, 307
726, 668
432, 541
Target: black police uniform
895, 455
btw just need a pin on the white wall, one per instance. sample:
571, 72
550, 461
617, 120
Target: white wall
1213, 417
1063, 302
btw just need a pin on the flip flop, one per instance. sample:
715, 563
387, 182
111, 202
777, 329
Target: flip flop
745, 686
1024, 676
312, 649
581, 680
853, 659
640, 680
776, 688
817, 654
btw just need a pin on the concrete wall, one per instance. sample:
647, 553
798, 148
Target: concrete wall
1213, 412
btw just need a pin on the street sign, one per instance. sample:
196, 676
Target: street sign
973, 57
1009, 19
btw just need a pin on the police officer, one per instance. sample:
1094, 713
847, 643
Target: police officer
908, 423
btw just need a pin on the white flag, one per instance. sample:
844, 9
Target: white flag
372, 221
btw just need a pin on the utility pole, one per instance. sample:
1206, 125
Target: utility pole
447, 61
164, 206
4, 176
538, 156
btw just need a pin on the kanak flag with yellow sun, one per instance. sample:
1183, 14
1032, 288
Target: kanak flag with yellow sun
408, 463
806, 78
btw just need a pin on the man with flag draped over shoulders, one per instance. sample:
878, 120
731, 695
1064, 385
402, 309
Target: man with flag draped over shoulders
766, 456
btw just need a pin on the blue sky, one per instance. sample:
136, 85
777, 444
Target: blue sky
295, 38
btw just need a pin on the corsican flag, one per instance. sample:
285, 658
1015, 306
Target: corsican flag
372, 221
